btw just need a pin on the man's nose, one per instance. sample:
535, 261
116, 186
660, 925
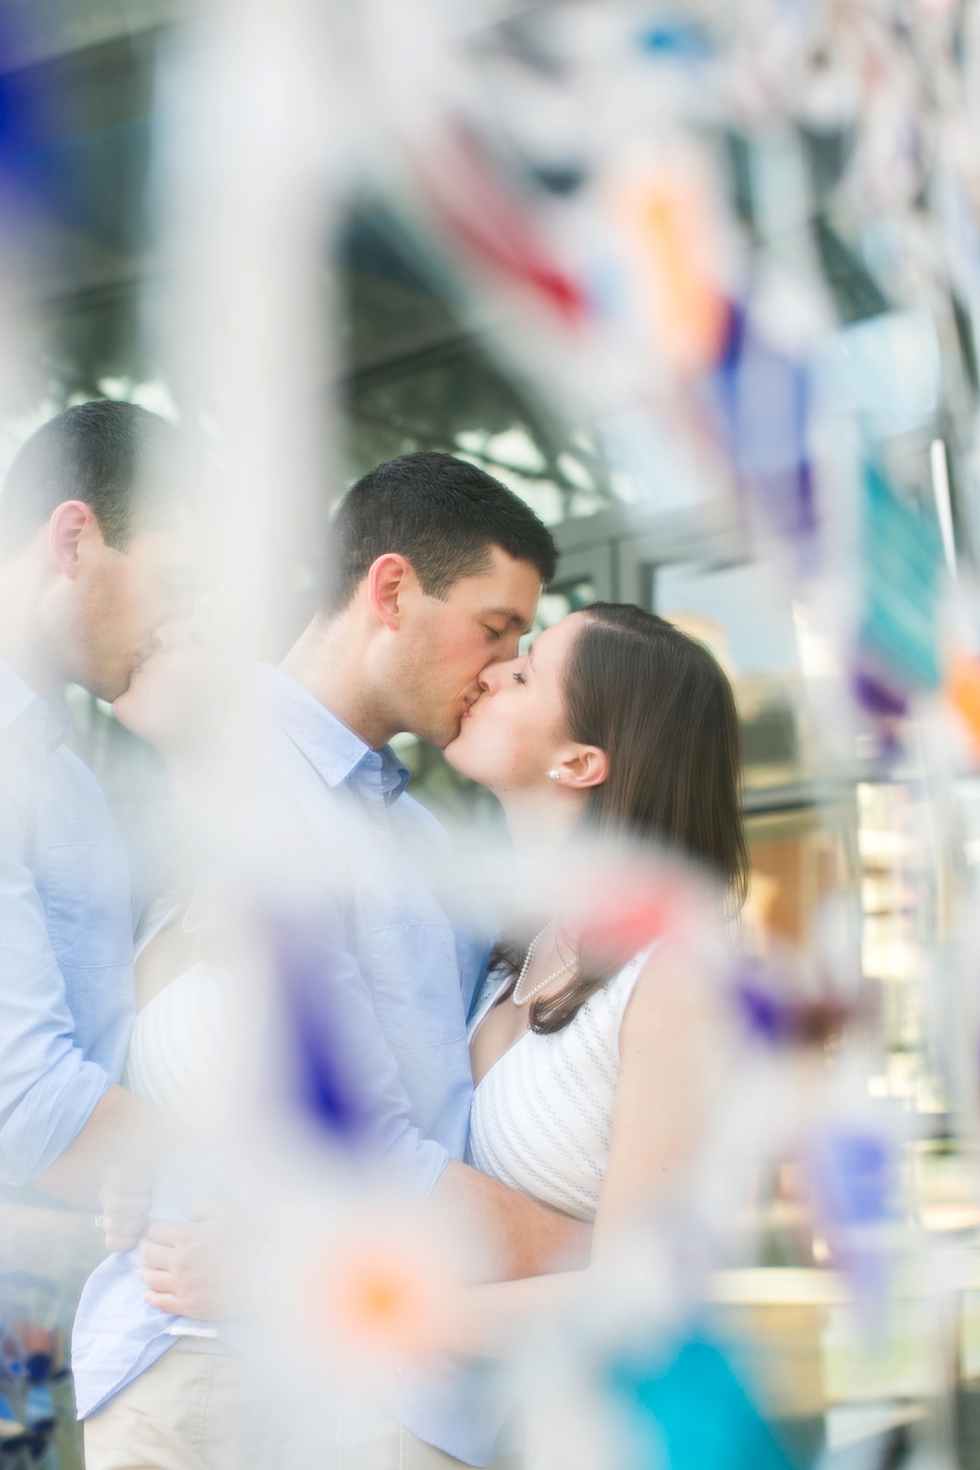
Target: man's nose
489, 678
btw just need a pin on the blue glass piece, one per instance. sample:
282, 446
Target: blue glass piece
902, 554
678, 39
857, 1177
691, 1412
760, 400
320, 1079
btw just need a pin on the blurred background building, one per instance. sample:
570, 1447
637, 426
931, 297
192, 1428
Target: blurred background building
415, 375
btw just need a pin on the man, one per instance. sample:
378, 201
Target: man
89, 564
435, 571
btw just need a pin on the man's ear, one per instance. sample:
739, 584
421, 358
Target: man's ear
386, 580
68, 524
585, 766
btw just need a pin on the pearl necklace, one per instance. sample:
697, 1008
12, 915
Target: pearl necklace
185, 923
527, 965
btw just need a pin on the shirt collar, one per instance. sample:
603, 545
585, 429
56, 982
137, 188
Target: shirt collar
333, 749
48, 717
14, 696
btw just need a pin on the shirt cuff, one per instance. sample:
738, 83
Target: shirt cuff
50, 1116
420, 1171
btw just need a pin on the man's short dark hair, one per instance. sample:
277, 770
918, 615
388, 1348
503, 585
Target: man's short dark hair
115, 457
442, 514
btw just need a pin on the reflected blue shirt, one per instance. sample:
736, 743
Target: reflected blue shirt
66, 937
401, 966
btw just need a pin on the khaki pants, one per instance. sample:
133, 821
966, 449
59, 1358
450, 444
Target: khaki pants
197, 1411
186, 1412
373, 1439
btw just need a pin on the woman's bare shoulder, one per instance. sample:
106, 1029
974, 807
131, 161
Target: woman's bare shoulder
672, 994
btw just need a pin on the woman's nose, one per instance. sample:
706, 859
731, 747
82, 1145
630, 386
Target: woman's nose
172, 634
493, 676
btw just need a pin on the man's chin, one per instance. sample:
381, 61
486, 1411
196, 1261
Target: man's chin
438, 736
107, 686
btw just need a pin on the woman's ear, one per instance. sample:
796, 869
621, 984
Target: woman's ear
587, 766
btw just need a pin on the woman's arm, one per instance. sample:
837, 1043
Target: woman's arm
672, 1064
671, 1047
484, 1319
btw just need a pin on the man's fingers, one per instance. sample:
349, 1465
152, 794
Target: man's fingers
158, 1281
119, 1202
164, 1232
121, 1242
162, 1299
123, 1223
160, 1256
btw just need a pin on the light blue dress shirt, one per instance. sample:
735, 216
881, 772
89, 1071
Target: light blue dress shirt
399, 970
66, 937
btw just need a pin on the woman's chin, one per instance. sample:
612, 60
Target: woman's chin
456, 756
453, 756
127, 713
121, 711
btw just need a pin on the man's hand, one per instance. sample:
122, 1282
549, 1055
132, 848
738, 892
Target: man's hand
205, 1269
125, 1199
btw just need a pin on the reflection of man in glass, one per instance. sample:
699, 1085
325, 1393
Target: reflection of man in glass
89, 565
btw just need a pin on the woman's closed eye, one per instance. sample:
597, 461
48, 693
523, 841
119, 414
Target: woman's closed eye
519, 677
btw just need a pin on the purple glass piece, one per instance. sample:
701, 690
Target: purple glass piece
877, 698
760, 402
320, 1081
765, 1016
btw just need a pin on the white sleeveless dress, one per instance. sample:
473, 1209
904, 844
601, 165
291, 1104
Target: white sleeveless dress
178, 1061
542, 1116
178, 1057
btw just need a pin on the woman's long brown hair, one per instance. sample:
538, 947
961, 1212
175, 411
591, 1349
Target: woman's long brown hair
660, 706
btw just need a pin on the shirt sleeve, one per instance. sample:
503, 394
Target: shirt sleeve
48, 1090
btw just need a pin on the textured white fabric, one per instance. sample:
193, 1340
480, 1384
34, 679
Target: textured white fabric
177, 1050
542, 1115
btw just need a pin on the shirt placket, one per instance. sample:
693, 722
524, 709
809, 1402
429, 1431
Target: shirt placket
370, 788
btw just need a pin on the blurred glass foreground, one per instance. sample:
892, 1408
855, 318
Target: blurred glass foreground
701, 284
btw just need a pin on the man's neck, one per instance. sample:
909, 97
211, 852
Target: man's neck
21, 648
328, 659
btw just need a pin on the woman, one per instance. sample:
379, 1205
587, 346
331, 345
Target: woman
179, 1060
590, 1085
175, 1058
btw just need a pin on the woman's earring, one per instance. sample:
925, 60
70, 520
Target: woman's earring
555, 775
